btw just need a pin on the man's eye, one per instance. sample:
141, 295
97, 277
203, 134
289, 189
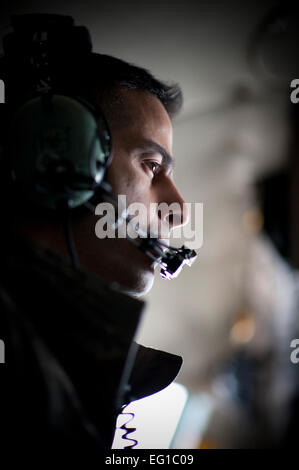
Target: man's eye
153, 166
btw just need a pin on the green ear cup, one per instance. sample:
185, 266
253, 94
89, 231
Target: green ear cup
59, 150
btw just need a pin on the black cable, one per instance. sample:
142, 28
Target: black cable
128, 430
64, 212
70, 240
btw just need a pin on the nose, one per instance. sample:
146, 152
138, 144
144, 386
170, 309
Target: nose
175, 213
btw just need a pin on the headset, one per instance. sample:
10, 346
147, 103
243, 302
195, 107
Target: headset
60, 143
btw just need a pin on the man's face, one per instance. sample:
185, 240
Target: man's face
141, 169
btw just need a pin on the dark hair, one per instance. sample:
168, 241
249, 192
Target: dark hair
110, 72
102, 75
95, 75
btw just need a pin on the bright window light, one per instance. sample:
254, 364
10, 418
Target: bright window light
156, 419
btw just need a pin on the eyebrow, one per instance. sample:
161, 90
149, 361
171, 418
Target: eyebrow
152, 146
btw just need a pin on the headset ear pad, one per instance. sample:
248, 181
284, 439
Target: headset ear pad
59, 150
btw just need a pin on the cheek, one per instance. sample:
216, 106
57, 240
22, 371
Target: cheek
128, 178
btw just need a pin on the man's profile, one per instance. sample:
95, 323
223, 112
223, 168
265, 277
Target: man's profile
71, 363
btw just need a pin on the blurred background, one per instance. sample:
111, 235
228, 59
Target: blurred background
234, 314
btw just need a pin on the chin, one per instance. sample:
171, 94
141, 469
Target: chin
129, 269
138, 284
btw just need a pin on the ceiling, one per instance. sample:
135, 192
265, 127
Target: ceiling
232, 130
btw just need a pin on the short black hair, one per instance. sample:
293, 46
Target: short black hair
109, 73
103, 75
94, 76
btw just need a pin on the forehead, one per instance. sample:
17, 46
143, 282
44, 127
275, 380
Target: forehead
138, 112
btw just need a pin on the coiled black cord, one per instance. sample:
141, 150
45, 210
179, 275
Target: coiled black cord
128, 430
